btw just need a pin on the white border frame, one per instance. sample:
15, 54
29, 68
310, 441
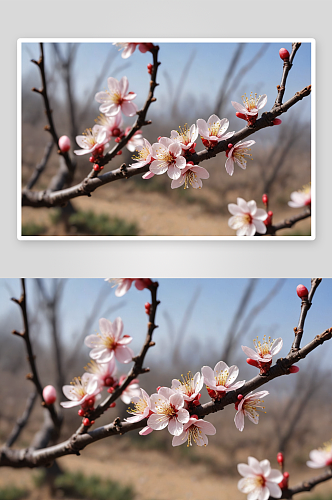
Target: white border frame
312, 41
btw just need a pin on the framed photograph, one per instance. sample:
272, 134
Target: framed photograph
168, 138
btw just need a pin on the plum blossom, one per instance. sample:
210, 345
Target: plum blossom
103, 372
124, 284
221, 380
187, 137
321, 457
236, 154
195, 430
247, 407
264, 351
116, 98
167, 154
129, 48
131, 391
247, 218
112, 124
301, 198
141, 410
213, 131
135, 141
109, 342
191, 175
249, 108
91, 140
81, 390
259, 480
189, 387
167, 407
144, 155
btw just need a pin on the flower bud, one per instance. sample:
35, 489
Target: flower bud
113, 405
265, 199
49, 394
81, 413
302, 291
294, 369
280, 458
241, 115
284, 54
277, 121
252, 362
64, 143
86, 422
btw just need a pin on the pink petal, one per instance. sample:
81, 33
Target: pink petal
239, 420
173, 172
260, 226
229, 165
124, 354
239, 107
158, 422
175, 427
128, 108
250, 352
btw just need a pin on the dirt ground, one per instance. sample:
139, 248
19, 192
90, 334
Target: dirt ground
154, 475
156, 214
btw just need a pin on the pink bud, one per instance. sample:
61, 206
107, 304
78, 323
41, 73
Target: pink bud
280, 458
265, 199
277, 121
49, 394
239, 397
284, 54
294, 369
64, 143
86, 422
252, 362
302, 291
241, 115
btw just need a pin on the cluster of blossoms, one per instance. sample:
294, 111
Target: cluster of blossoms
107, 346
174, 407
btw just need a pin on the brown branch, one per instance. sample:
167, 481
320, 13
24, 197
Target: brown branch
305, 306
91, 183
287, 66
43, 91
307, 485
77, 442
40, 167
34, 377
287, 223
22, 421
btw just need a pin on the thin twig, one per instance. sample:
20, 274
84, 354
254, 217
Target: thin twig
41, 166
22, 421
288, 63
307, 485
43, 91
287, 223
305, 306
34, 377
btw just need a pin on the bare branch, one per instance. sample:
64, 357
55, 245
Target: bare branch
287, 66
21, 422
305, 306
41, 166
31, 357
307, 485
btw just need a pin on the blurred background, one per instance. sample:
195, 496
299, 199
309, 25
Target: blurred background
196, 80
201, 321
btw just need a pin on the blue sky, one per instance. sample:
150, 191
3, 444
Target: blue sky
210, 317
203, 78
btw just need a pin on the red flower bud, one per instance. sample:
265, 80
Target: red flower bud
112, 405
241, 115
116, 132
284, 54
277, 121
302, 291
252, 362
265, 199
119, 153
280, 458
96, 167
294, 369
64, 144
81, 413
92, 159
86, 422
118, 139
49, 394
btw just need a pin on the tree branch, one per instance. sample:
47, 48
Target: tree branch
305, 306
307, 485
21, 422
34, 377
